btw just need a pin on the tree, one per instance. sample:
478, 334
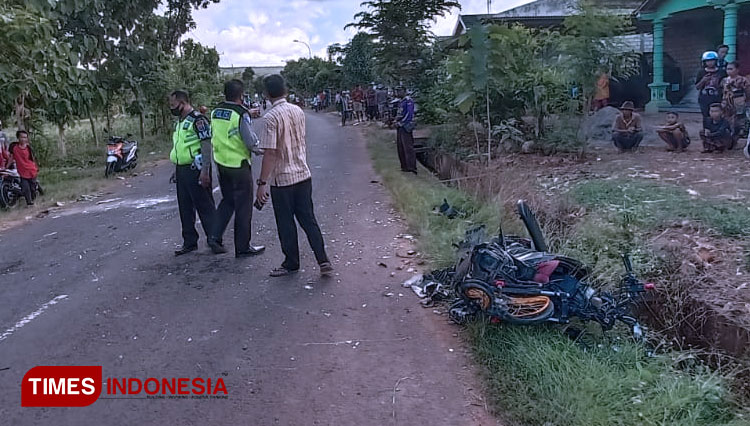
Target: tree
590, 43
400, 33
309, 75
357, 61
247, 75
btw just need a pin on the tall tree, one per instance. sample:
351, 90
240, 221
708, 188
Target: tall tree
358, 64
247, 76
400, 31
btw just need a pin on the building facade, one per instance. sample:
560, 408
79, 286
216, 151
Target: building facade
683, 30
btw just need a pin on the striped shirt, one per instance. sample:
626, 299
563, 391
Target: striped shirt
284, 131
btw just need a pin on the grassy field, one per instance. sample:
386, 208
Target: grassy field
82, 170
535, 375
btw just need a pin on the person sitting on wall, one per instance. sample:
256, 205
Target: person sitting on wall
627, 132
717, 132
674, 133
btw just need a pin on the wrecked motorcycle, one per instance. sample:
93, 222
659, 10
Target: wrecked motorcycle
516, 280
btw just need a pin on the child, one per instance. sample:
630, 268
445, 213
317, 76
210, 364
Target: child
674, 133
26, 166
717, 132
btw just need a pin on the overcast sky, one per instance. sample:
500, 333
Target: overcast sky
260, 32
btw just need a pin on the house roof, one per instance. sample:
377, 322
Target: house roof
542, 12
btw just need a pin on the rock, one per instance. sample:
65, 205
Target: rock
599, 125
528, 147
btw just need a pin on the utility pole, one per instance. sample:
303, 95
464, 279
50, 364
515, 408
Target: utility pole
489, 6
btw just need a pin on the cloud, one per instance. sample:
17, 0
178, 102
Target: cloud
262, 32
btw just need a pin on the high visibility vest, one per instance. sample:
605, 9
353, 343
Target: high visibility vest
228, 147
185, 142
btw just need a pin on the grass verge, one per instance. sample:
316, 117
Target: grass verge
82, 170
536, 376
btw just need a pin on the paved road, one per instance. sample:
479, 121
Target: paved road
292, 351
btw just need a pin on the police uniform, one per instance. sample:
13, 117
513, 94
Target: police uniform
233, 161
191, 196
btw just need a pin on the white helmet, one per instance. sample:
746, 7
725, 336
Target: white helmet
709, 55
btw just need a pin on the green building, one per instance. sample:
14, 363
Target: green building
684, 29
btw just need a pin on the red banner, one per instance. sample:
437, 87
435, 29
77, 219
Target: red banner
61, 386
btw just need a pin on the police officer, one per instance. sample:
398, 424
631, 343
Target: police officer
191, 141
233, 141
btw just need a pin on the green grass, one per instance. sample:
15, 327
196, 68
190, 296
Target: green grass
535, 375
649, 205
543, 378
419, 195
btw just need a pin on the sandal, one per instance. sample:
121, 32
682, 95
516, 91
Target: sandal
282, 272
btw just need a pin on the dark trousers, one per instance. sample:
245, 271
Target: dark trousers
627, 141
28, 188
237, 197
705, 102
192, 197
290, 202
406, 154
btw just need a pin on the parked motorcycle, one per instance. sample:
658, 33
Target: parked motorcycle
10, 188
515, 280
122, 154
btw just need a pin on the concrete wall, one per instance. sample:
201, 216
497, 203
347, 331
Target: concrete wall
688, 34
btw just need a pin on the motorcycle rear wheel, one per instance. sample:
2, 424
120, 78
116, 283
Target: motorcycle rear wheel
531, 311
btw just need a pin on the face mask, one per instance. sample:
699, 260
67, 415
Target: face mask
176, 111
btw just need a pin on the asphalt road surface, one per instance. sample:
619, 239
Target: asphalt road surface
96, 283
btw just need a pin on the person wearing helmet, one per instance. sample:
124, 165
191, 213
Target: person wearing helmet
708, 82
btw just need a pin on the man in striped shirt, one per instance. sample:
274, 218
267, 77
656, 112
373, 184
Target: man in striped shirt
285, 170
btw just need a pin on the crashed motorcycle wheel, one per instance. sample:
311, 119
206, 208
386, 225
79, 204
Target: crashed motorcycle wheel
477, 293
528, 310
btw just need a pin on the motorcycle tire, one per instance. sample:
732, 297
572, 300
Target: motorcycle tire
9, 196
476, 293
109, 170
4, 192
532, 226
541, 316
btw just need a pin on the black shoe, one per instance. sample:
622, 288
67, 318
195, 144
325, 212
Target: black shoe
216, 246
326, 268
283, 272
185, 250
251, 251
